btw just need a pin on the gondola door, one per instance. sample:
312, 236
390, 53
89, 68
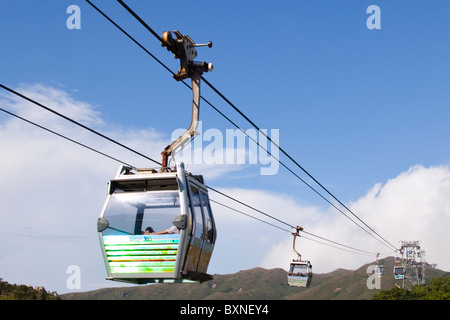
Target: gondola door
196, 243
209, 233
203, 234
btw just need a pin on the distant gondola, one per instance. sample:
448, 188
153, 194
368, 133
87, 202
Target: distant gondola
399, 272
300, 272
379, 268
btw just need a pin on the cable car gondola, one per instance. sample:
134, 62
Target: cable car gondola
379, 268
175, 203
399, 272
300, 272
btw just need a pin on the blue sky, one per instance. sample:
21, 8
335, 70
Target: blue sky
360, 109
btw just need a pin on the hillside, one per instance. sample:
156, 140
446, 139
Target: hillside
257, 284
22, 292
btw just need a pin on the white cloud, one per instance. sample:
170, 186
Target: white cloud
56, 99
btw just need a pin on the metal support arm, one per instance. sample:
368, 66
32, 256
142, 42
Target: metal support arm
191, 131
297, 234
183, 48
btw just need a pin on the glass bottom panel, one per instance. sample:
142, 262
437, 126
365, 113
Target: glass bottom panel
144, 254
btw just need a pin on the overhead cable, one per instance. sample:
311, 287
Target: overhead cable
65, 137
77, 123
248, 206
124, 146
212, 200
331, 243
256, 127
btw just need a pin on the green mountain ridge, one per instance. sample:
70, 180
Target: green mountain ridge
259, 284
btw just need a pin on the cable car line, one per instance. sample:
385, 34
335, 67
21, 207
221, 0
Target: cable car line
268, 215
362, 252
334, 242
131, 38
298, 165
77, 123
272, 217
253, 124
217, 202
213, 189
67, 138
286, 167
205, 101
248, 215
183, 266
359, 251
92, 149
248, 206
140, 20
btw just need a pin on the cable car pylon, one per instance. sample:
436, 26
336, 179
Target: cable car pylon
410, 266
300, 272
158, 226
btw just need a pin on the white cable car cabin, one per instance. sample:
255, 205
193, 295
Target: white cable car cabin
160, 200
300, 274
399, 272
379, 270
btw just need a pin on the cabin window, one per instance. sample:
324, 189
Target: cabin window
398, 271
132, 213
297, 270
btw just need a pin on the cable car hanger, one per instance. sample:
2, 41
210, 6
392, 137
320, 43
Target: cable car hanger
183, 48
296, 234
